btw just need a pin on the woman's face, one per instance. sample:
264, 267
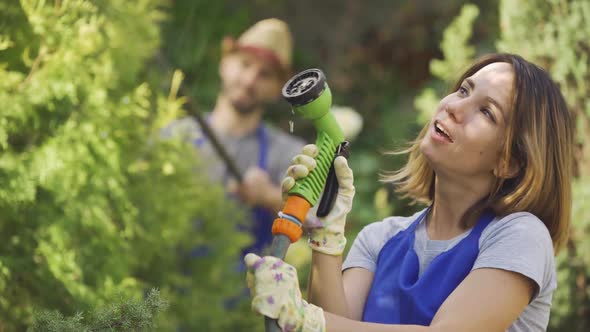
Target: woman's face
467, 131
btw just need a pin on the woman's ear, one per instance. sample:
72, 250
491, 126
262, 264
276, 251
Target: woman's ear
507, 170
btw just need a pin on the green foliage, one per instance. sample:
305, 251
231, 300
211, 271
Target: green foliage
192, 42
555, 35
457, 55
571, 300
123, 315
93, 205
454, 45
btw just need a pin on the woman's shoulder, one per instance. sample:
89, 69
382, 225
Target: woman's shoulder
390, 226
522, 226
520, 242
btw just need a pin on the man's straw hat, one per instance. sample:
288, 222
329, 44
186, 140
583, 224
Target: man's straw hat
269, 39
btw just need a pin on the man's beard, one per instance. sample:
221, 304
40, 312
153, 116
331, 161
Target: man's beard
243, 108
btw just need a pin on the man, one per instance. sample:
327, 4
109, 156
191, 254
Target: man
253, 70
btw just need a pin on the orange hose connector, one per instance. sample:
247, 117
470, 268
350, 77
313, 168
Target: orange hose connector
296, 207
288, 228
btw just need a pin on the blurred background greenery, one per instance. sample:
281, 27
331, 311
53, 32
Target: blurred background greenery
93, 207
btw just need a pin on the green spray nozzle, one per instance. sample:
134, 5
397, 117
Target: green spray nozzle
309, 95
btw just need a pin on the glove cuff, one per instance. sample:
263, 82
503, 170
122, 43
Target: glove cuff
314, 320
327, 241
303, 317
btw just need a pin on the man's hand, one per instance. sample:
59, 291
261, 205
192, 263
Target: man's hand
257, 189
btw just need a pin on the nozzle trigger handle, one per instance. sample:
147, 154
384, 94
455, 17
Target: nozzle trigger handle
331, 188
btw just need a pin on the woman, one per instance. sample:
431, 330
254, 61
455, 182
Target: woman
494, 166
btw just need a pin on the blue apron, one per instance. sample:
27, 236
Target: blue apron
263, 218
399, 296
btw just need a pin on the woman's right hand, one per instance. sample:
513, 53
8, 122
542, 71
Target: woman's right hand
327, 237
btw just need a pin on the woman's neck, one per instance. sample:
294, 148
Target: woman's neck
452, 199
227, 121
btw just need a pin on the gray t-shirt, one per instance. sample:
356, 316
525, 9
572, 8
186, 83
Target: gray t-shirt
518, 242
245, 150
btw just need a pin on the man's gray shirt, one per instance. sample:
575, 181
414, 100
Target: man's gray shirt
245, 150
518, 242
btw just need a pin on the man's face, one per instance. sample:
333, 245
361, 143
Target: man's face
249, 82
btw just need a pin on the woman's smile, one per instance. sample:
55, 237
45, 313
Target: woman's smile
440, 133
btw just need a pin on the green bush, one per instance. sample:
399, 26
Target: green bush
93, 206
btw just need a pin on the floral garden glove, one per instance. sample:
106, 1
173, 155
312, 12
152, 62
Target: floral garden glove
327, 237
275, 293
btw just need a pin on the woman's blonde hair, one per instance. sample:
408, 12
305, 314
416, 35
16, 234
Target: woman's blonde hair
539, 138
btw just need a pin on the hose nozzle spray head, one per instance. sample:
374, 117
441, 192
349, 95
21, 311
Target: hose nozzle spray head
309, 95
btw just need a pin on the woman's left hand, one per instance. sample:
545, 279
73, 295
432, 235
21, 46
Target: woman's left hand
326, 237
275, 293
